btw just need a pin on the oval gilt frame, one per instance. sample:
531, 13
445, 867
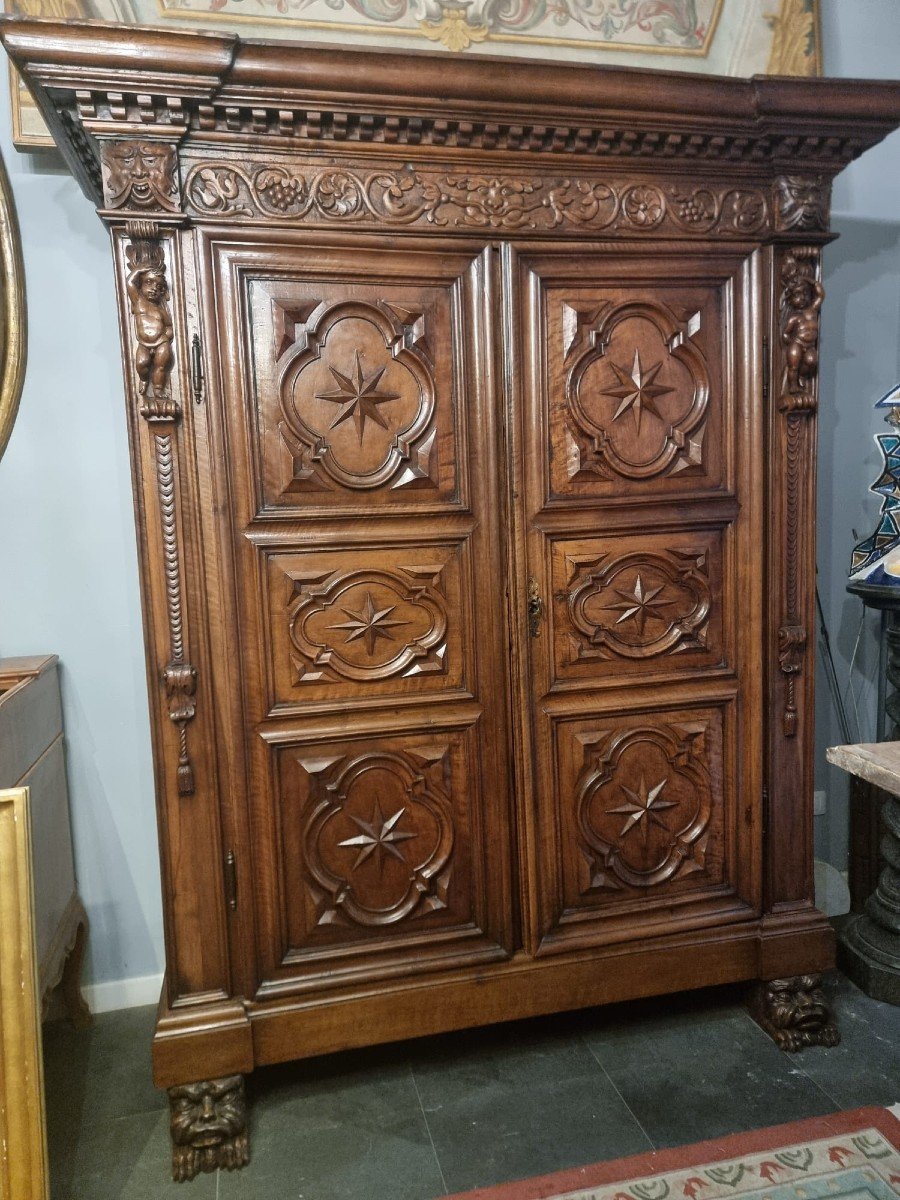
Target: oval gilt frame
13, 327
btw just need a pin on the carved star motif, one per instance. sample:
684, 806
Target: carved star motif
370, 623
359, 396
380, 834
639, 604
636, 390
643, 807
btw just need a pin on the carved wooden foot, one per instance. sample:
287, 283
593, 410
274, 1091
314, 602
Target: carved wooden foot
70, 984
795, 1013
208, 1122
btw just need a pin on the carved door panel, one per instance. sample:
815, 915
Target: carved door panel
639, 590
358, 406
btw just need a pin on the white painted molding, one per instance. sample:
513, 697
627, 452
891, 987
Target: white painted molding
122, 993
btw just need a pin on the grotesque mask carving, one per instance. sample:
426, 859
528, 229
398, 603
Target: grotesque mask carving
795, 1013
140, 175
209, 1127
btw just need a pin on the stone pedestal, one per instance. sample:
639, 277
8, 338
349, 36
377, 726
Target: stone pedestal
869, 943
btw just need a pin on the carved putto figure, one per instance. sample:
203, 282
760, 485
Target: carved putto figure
148, 295
803, 296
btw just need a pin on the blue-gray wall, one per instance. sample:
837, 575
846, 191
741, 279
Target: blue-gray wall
67, 548
860, 360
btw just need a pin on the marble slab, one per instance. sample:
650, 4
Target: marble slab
877, 762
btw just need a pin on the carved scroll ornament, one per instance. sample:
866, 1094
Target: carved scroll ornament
408, 197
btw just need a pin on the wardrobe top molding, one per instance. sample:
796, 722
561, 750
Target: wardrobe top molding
204, 93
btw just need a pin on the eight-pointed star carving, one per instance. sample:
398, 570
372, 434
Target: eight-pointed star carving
379, 834
359, 396
636, 390
644, 806
639, 604
370, 623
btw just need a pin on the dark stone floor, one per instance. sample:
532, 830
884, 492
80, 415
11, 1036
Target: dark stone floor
416, 1120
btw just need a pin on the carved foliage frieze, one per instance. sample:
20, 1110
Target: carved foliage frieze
378, 837
636, 390
357, 395
642, 604
278, 192
369, 625
801, 299
644, 802
140, 175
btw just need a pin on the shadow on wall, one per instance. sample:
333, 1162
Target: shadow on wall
860, 359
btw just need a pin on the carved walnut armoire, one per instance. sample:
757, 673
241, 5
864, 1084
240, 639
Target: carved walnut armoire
472, 410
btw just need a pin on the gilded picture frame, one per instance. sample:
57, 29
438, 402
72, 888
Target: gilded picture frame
24, 1168
13, 331
726, 37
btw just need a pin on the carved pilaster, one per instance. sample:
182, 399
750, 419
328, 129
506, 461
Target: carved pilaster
208, 1124
795, 1013
801, 299
153, 357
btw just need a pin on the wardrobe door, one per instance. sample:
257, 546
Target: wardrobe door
359, 418
638, 566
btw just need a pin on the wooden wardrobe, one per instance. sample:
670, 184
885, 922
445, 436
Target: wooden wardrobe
472, 408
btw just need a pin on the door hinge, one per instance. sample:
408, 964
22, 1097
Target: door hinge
231, 880
765, 368
197, 369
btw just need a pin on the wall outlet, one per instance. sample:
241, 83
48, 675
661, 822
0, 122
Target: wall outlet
820, 803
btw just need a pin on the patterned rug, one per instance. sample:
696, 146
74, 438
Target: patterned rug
849, 1156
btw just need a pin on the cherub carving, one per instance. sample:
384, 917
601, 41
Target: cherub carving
148, 294
803, 296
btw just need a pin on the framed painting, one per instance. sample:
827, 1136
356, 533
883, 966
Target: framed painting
722, 37
24, 1172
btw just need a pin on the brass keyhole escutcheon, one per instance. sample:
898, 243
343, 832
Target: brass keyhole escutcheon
535, 609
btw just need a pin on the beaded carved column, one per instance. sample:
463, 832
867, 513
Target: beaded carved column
143, 205
793, 1009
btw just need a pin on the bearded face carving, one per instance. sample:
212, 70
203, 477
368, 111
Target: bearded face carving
801, 202
795, 1013
208, 1122
140, 175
